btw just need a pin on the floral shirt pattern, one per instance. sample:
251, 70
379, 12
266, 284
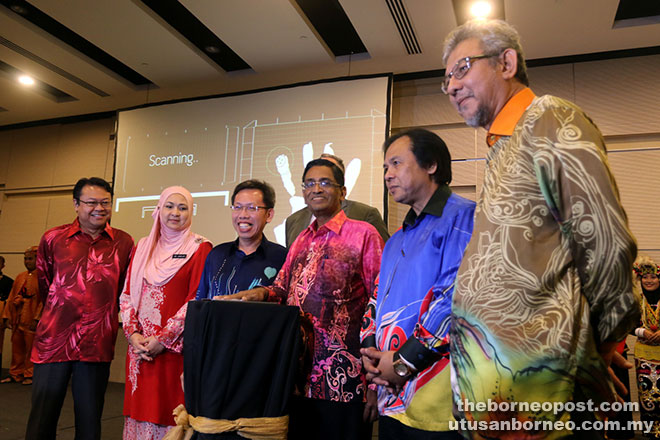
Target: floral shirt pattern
330, 273
81, 277
162, 310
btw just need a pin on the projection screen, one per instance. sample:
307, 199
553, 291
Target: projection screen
210, 145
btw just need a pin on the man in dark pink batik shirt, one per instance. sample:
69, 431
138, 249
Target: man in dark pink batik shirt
329, 273
81, 268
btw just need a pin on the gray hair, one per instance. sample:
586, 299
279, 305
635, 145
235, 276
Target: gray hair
495, 36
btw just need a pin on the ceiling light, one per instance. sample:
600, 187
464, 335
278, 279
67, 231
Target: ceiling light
480, 9
466, 10
26, 80
19, 9
212, 49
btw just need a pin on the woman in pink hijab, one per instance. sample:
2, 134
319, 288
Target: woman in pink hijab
163, 277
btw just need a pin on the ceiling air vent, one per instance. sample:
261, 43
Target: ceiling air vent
404, 25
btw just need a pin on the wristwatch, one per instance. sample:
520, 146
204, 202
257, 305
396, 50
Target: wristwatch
400, 367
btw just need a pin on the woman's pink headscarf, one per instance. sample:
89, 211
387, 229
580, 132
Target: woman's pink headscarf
153, 260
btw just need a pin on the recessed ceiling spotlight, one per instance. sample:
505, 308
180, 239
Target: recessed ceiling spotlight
481, 9
212, 49
466, 10
26, 80
19, 9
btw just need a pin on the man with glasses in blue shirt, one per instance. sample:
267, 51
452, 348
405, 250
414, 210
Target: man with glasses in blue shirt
250, 260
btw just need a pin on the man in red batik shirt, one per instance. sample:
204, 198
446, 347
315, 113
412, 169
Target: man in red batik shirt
81, 268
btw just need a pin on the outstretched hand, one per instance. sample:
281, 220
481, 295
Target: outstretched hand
256, 294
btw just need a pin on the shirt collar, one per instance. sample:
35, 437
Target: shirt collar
434, 206
74, 228
334, 224
261, 248
508, 117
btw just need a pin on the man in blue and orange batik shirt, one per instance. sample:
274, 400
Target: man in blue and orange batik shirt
544, 294
405, 328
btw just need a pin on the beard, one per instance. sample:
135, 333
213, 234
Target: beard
481, 118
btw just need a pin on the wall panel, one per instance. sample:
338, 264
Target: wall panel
553, 80
33, 152
22, 223
423, 110
83, 144
462, 142
5, 150
637, 177
621, 95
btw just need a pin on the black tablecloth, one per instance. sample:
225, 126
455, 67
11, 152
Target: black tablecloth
240, 359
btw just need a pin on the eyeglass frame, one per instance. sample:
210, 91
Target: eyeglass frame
94, 203
323, 184
248, 208
468, 64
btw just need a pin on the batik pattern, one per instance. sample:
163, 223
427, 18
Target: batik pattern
413, 301
81, 278
329, 274
551, 254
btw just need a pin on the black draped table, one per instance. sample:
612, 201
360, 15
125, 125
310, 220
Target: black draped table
240, 360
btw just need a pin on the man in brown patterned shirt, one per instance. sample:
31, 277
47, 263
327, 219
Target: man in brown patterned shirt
544, 291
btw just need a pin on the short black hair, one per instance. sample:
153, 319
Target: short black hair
2, 259
92, 181
267, 191
336, 171
429, 149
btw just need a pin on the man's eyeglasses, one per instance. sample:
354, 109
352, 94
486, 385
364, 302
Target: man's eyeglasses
460, 69
248, 208
93, 203
323, 183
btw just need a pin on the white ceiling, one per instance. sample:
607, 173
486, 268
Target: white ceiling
273, 37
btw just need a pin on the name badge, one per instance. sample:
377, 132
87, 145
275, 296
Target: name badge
179, 255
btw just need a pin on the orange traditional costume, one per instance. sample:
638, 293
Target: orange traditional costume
23, 310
